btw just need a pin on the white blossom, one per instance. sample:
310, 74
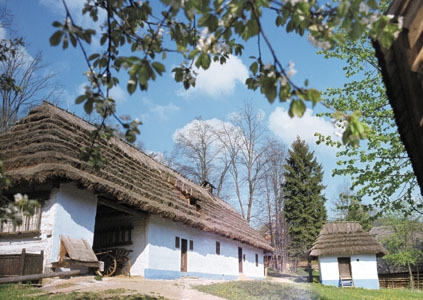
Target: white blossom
364, 8
400, 22
291, 70
18, 197
324, 45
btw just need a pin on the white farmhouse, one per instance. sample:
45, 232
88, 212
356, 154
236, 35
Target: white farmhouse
171, 226
347, 255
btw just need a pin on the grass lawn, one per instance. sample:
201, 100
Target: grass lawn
260, 290
242, 290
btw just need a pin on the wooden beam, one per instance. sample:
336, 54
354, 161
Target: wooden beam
38, 276
120, 207
418, 62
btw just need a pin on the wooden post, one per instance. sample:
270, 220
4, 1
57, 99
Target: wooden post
22, 262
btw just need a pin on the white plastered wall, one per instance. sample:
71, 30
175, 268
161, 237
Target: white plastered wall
161, 253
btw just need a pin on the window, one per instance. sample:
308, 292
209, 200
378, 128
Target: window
177, 242
256, 260
217, 248
113, 236
191, 245
30, 224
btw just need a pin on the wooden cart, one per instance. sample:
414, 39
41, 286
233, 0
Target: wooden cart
116, 261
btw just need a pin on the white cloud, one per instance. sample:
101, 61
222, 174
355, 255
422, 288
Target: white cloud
287, 128
207, 125
118, 94
163, 111
219, 80
158, 111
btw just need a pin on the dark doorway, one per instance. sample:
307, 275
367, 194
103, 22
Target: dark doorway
344, 264
184, 255
240, 259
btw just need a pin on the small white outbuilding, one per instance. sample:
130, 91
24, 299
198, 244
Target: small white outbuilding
347, 255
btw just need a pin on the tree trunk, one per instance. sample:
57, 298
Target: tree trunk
410, 272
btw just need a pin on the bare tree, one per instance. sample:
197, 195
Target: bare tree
245, 146
275, 156
197, 154
24, 80
29, 75
206, 151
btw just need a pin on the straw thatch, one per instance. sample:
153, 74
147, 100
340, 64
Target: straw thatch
44, 147
345, 238
402, 70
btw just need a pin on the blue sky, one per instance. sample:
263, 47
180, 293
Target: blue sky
166, 107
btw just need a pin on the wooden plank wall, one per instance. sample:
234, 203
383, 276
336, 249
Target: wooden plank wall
21, 264
400, 280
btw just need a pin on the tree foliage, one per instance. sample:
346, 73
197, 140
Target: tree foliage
405, 244
205, 31
304, 203
380, 169
349, 207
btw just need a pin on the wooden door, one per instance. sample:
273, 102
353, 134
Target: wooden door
184, 255
240, 259
344, 265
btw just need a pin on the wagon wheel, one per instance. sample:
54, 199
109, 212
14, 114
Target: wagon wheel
123, 262
110, 264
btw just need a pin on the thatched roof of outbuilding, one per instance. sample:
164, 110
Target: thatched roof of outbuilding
345, 238
45, 147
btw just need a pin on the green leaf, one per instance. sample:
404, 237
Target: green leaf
268, 87
88, 106
56, 38
131, 86
80, 99
158, 67
178, 74
296, 108
254, 67
314, 96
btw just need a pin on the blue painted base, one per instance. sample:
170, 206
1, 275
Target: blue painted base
165, 274
372, 284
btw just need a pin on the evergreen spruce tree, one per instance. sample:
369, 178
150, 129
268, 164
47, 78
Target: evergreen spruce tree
304, 208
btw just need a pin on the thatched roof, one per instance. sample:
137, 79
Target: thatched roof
45, 147
345, 238
402, 70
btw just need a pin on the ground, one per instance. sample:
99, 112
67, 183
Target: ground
170, 289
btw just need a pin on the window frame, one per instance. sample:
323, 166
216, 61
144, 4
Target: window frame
217, 248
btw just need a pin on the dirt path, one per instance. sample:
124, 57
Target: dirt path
169, 289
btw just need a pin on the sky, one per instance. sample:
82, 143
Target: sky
166, 106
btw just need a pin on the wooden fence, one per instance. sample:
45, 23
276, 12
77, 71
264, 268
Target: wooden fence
21, 264
400, 280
